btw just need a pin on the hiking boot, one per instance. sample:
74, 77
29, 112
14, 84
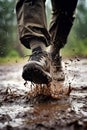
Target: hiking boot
38, 67
56, 69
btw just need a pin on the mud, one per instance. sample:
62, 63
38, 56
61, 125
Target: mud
58, 106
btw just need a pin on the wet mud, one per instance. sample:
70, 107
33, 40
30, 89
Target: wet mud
58, 106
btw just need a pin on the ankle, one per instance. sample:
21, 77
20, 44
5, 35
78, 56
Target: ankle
37, 46
55, 50
37, 49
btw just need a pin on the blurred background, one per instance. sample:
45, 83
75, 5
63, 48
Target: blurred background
10, 47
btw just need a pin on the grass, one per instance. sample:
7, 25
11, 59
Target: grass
74, 52
12, 60
12, 57
75, 48
72, 49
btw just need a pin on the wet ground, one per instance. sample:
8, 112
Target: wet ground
29, 107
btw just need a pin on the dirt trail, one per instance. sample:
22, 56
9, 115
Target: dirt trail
19, 112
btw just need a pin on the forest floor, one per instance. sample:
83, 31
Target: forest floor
58, 106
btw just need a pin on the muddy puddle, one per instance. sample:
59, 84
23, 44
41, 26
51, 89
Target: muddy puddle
22, 107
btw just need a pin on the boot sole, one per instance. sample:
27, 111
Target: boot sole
36, 74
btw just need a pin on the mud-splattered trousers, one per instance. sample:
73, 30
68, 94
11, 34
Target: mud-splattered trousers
32, 23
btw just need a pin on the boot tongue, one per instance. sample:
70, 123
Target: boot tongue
37, 54
37, 49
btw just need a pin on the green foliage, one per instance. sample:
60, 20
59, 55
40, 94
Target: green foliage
81, 20
75, 48
6, 26
13, 53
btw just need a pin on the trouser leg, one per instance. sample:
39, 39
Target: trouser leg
62, 21
31, 20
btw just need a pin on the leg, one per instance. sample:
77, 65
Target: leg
62, 21
33, 33
32, 22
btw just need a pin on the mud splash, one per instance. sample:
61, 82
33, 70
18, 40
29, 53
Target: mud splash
57, 111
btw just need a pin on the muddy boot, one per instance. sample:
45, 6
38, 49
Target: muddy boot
38, 67
56, 70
